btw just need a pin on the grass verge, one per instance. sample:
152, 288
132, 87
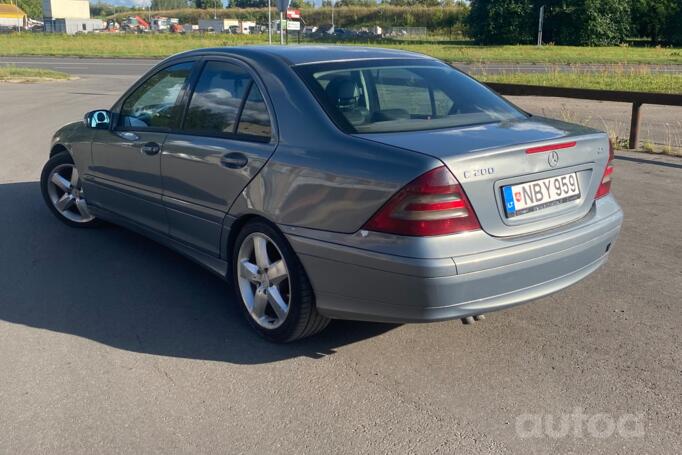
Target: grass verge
159, 46
633, 80
19, 74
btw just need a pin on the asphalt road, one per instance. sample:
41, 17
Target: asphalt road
110, 343
131, 67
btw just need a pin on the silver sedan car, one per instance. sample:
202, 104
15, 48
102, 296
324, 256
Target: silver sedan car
342, 182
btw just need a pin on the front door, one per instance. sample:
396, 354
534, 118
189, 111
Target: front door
126, 159
224, 140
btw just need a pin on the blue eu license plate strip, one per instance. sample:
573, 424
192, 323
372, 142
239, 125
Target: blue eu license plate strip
509, 205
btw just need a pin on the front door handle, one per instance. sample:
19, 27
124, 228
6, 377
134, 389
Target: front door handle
234, 160
151, 148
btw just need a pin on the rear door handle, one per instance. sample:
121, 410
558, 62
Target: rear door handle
151, 148
234, 160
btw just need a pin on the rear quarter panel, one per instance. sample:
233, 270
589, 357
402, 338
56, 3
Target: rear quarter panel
331, 184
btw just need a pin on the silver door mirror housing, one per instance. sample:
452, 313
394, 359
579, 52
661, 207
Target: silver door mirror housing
98, 120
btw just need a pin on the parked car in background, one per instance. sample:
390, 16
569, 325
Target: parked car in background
342, 182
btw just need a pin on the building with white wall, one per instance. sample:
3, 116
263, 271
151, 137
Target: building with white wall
70, 17
66, 9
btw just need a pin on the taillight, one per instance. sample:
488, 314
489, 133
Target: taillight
432, 204
605, 185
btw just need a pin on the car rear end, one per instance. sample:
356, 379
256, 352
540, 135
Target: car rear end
519, 208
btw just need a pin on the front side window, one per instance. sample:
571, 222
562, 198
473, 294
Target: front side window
395, 96
217, 98
154, 103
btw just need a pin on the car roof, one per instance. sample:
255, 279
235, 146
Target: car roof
300, 55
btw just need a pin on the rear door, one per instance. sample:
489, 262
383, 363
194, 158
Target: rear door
126, 170
226, 136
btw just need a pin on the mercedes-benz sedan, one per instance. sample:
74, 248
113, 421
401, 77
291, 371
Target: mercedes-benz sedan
342, 182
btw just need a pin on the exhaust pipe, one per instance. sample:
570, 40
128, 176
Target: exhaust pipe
471, 319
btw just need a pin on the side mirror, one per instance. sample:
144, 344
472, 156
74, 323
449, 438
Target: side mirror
99, 120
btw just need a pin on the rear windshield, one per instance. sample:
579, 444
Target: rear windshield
398, 95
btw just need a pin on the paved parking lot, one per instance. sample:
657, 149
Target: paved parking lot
111, 343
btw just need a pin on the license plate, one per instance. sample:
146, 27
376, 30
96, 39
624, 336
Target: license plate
540, 194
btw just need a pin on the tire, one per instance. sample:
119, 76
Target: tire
259, 279
63, 193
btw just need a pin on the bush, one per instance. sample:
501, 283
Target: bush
32, 8
502, 21
578, 22
672, 31
587, 22
649, 18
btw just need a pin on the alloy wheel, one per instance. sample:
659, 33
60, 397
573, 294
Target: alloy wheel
66, 194
263, 278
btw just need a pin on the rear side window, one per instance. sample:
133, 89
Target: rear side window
255, 120
384, 96
214, 106
154, 103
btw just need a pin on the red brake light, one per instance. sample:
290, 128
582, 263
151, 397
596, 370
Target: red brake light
605, 185
432, 204
549, 148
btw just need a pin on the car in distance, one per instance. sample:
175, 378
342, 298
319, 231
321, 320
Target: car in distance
342, 182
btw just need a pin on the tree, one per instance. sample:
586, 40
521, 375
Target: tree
356, 3
672, 31
574, 22
162, 5
501, 21
650, 17
587, 22
32, 8
208, 4
250, 3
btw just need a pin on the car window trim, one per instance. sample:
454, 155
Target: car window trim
180, 130
118, 107
247, 92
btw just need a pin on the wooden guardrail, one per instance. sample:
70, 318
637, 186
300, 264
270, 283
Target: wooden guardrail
637, 99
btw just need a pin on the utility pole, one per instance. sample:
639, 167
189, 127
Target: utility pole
281, 28
269, 23
332, 2
540, 21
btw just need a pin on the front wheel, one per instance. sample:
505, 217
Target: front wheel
61, 186
276, 296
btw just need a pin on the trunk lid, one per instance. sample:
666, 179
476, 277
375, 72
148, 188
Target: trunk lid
486, 158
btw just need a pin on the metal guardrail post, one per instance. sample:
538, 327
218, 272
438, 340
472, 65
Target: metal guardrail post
634, 125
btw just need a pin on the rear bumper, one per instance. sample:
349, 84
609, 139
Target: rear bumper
356, 283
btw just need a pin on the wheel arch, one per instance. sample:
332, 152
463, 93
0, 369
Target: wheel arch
58, 148
235, 228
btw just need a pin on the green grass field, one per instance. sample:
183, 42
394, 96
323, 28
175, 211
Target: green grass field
13, 73
637, 80
106, 45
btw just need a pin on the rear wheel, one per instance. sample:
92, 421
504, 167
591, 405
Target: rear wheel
274, 290
61, 186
